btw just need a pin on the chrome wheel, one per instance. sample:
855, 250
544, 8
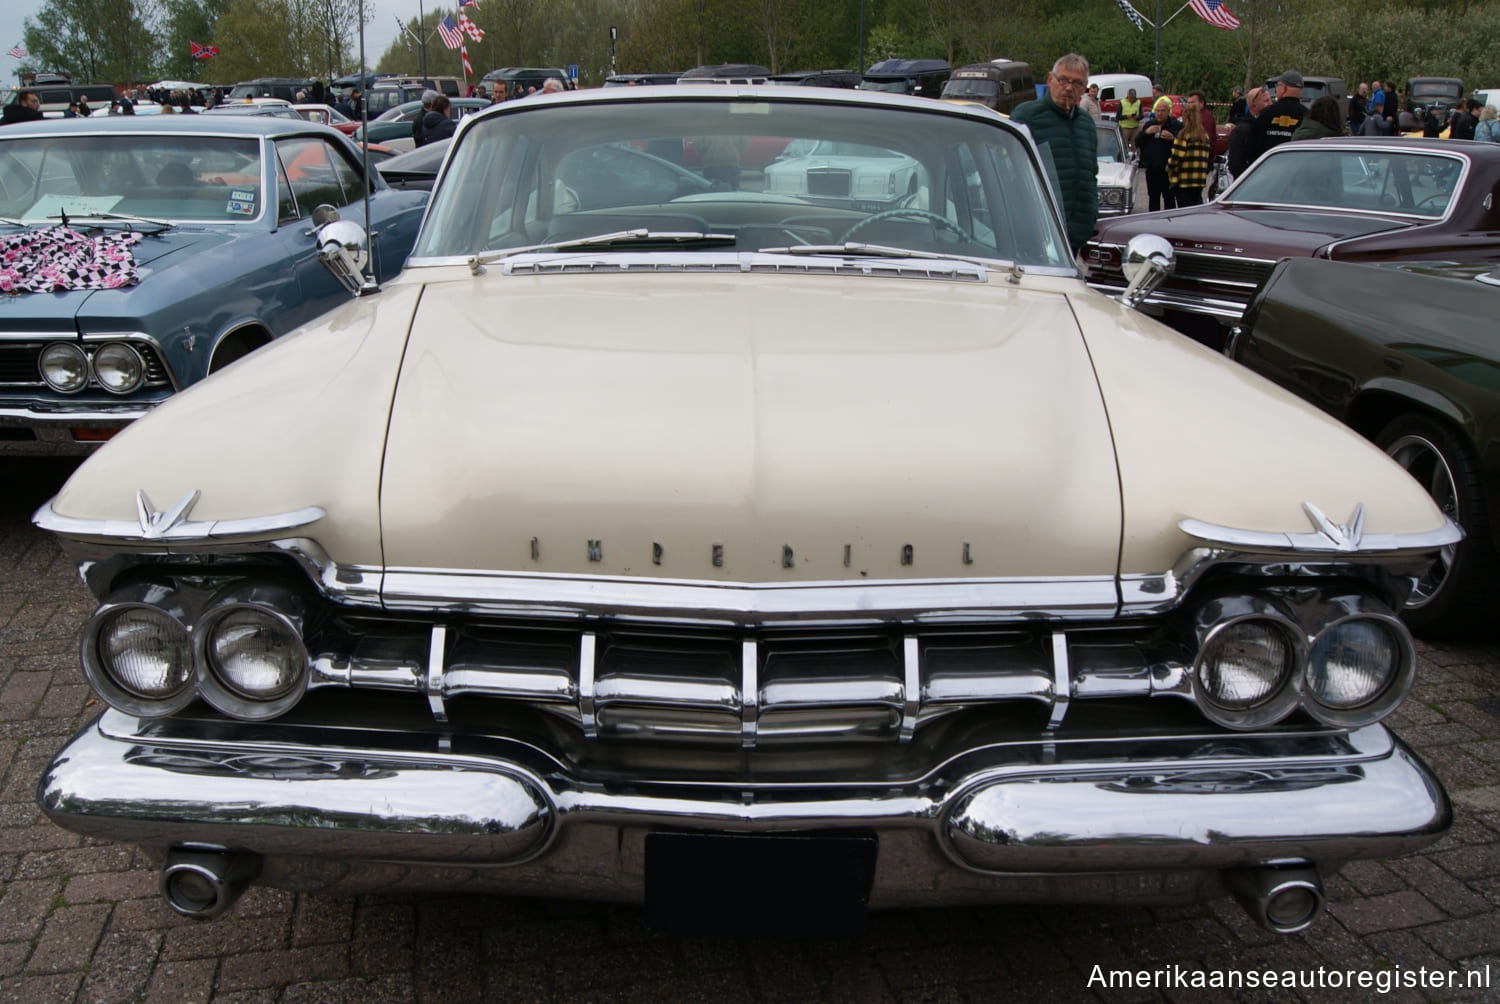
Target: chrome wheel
1424, 461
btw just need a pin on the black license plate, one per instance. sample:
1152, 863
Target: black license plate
758, 886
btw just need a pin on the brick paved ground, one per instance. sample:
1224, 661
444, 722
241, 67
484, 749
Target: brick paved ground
82, 921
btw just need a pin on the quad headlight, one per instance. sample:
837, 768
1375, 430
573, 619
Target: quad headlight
1112, 197
119, 368
1345, 658
137, 652
251, 657
151, 648
64, 367
1360, 666
1248, 657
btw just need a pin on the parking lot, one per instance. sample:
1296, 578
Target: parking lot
83, 921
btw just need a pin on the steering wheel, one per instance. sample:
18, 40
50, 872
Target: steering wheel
1437, 198
942, 222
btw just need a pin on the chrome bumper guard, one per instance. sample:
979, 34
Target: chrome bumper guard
1083, 820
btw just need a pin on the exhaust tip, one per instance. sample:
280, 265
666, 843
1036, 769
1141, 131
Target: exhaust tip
1284, 900
204, 884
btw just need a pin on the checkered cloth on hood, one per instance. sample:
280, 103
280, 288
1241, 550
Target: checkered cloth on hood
56, 259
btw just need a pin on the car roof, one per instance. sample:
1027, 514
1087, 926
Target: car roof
234, 125
1487, 153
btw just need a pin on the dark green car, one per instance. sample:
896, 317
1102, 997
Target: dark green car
395, 123
1408, 355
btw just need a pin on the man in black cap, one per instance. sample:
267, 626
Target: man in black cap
1274, 126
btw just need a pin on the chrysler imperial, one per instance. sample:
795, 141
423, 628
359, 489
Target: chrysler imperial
860, 551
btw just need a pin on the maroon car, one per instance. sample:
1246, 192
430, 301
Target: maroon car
1350, 199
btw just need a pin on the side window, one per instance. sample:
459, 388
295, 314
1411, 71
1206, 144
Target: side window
286, 206
317, 173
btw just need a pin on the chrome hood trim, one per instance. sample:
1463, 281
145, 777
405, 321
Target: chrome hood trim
152, 526
1327, 537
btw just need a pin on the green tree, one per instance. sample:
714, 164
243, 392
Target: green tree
183, 22
94, 41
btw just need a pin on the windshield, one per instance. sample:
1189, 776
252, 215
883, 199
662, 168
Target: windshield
1109, 146
764, 173
971, 88
177, 177
1417, 184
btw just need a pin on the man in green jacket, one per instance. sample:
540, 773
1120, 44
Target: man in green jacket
1069, 144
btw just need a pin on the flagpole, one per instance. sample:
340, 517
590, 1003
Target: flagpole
422, 37
1156, 73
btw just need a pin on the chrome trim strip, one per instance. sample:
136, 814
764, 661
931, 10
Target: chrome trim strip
749, 692
436, 656
551, 594
126, 531
66, 412
587, 643
1329, 538
1062, 688
1232, 310
911, 691
536, 263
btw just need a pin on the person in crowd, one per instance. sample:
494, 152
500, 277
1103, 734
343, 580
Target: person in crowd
418, 124
1488, 129
1154, 146
1376, 124
552, 86
1275, 124
1410, 119
1433, 121
1242, 138
123, 103
26, 108
1129, 118
435, 122
1359, 106
84, 109
185, 103
1238, 106
1322, 120
1090, 103
1464, 121
1199, 100
1191, 155
1066, 134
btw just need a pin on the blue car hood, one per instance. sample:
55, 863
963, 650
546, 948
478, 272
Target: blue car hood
158, 257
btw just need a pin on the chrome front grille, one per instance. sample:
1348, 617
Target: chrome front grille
1221, 270
20, 364
828, 181
681, 682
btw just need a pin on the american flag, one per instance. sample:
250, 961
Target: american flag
17, 51
1215, 13
469, 3
452, 37
463, 51
470, 28
1132, 13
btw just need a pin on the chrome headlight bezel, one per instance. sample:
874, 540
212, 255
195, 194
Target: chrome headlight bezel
282, 610
1218, 621
157, 601
72, 352
1393, 691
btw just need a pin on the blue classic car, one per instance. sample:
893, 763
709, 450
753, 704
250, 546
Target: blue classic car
210, 220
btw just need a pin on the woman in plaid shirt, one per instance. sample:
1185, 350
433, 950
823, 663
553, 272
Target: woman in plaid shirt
1187, 167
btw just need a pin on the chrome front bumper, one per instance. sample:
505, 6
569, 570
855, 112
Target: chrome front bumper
1076, 820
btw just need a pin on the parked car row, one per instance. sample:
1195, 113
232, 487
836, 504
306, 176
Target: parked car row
736, 480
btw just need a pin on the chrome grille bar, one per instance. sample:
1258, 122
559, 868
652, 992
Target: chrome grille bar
751, 688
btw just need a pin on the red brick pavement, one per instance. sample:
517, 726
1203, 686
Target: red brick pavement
82, 921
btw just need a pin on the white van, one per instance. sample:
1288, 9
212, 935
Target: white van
1114, 86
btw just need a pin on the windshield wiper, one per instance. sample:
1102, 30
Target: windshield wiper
619, 238
125, 218
886, 251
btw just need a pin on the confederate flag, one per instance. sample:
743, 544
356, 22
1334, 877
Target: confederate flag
202, 51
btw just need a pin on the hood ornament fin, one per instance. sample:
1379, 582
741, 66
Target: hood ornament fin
155, 524
1344, 538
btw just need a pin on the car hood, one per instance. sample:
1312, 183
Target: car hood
157, 256
784, 424
811, 429
1246, 230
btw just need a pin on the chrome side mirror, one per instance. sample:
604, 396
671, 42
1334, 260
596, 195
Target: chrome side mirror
343, 249
1148, 260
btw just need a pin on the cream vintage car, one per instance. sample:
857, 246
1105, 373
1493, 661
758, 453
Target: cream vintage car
754, 559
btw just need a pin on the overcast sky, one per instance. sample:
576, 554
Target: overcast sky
379, 34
